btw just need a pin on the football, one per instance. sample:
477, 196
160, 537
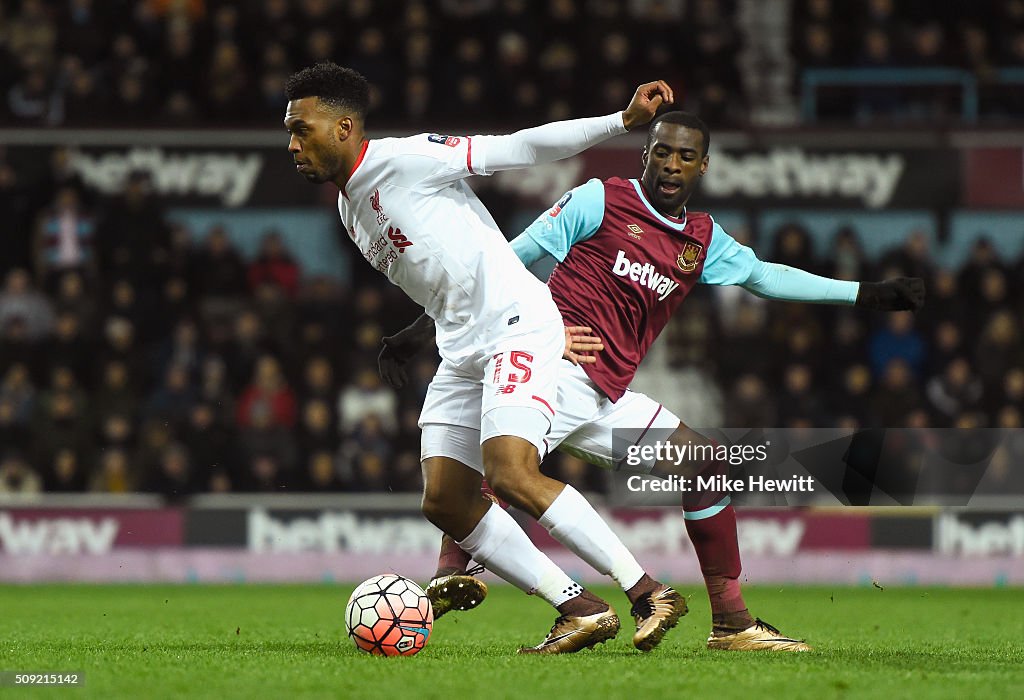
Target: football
389, 615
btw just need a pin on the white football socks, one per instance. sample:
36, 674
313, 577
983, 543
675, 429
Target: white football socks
573, 521
500, 544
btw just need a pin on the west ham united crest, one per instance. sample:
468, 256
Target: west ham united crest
687, 260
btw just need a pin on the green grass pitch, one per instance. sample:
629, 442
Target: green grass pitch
252, 641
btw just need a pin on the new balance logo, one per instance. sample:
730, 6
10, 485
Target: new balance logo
644, 274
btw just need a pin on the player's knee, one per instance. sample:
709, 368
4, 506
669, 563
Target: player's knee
437, 509
511, 482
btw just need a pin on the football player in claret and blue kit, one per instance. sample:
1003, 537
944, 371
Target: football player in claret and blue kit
628, 253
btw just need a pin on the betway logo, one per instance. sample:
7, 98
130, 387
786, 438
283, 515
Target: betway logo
767, 536
333, 532
228, 176
667, 534
57, 535
644, 274
956, 537
790, 172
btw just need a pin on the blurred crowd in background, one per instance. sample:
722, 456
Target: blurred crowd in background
139, 355
486, 62
133, 358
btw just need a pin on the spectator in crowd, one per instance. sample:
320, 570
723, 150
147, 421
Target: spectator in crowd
17, 477
17, 390
65, 240
212, 444
219, 271
321, 474
268, 399
173, 401
115, 395
73, 297
897, 340
367, 396
999, 348
897, 397
20, 301
172, 477
113, 474
317, 427
955, 392
66, 473
750, 405
116, 430
853, 398
14, 434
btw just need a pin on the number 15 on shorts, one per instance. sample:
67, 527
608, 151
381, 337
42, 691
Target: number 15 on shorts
511, 369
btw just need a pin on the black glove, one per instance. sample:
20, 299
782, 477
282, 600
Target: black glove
391, 363
400, 348
899, 294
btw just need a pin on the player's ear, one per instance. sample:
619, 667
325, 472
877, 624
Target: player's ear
704, 163
343, 128
643, 157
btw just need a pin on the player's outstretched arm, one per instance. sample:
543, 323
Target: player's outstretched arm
785, 283
558, 140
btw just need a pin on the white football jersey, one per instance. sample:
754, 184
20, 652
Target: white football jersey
412, 216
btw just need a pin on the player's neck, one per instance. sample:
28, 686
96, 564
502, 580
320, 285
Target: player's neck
676, 213
350, 160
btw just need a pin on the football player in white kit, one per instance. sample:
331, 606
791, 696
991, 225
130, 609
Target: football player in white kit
406, 206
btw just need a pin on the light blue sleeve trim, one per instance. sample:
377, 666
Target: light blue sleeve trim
727, 262
575, 218
707, 512
527, 249
775, 281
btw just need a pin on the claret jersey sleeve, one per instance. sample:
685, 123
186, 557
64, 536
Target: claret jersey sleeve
574, 218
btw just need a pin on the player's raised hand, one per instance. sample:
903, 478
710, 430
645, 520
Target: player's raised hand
580, 339
648, 98
897, 294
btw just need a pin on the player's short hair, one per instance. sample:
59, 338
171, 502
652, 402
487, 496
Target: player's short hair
335, 86
687, 119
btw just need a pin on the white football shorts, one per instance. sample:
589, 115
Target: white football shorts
507, 388
586, 424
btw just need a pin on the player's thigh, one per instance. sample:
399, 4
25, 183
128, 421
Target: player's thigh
617, 437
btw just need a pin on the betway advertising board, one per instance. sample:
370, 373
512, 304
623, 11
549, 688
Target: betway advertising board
275, 544
774, 176
194, 176
262, 529
797, 176
31, 531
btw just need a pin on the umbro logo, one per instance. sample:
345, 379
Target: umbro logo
634, 231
